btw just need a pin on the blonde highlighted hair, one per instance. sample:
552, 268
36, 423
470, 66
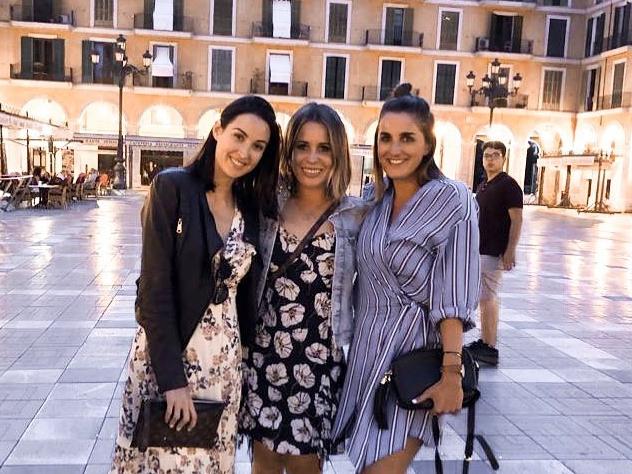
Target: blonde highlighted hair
340, 175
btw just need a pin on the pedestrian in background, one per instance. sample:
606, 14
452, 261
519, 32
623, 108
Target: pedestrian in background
199, 267
499, 199
417, 287
295, 368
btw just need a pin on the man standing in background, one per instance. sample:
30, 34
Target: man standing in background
499, 199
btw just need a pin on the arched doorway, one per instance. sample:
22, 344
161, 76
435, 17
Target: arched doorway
494, 132
206, 122
448, 150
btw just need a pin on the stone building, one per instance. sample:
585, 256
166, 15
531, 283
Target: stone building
568, 126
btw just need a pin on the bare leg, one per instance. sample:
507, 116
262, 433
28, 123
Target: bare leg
265, 461
305, 464
396, 463
489, 310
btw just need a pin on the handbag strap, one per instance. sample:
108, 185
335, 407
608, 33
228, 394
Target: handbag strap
301, 245
469, 442
436, 434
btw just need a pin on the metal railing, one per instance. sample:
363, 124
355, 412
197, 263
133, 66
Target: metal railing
618, 40
519, 101
183, 81
145, 21
38, 74
28, 13
606, 102
296, 89
484, 43
298, 31
394, 38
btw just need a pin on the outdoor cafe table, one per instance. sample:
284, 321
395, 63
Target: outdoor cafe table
43, 190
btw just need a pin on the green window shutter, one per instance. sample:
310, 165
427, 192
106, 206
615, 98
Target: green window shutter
407, 36
86, 62
178, 15
266, 18
58, 60
517, 35
295, 30
27, 58
148, 20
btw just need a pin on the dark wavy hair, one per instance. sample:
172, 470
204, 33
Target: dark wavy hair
257, 190
403, 101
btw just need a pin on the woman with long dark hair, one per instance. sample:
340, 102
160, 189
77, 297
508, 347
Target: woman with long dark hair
417, 286
195, 302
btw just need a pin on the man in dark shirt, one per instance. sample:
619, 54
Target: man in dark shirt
499, 199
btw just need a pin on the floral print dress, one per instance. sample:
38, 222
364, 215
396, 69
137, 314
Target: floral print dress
294, 372
212, 362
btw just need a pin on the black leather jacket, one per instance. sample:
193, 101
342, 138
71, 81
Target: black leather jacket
176, 280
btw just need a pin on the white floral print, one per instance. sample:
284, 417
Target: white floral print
212, 363
299, 369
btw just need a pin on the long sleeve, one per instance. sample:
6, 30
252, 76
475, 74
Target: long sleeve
156, 309
455, 274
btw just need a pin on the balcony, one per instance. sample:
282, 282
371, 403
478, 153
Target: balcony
179, 81
485, 43
412, 39
617, 41
41, 15
266, 30
520, 101
181, 24
606, 102
296, 89
39, 72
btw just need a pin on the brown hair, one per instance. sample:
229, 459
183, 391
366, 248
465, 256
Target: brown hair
402, 101
496, 145
340, 176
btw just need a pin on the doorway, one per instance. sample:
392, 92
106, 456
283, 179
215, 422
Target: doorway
153, 162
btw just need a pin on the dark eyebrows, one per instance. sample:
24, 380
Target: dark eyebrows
245, 134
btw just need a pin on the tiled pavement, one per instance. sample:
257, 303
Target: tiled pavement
560, 402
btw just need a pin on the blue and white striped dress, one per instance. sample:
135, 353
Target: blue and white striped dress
412, 274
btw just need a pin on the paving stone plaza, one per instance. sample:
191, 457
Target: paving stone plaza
559, 403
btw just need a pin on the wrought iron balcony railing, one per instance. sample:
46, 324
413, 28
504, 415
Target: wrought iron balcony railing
262, 29
26, 12
38, 73
485, 43
145, 21
394, 38
295, 89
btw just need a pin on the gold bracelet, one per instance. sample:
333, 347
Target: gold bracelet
458, 354
452, 369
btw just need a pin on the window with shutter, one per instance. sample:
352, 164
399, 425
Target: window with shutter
280, 72
162, 68
556, 40
221, 70
394, 26
552, 89
338, 17
449, 30
335, 71
445, 84
103, 12
223, 17
390, 77
617, 84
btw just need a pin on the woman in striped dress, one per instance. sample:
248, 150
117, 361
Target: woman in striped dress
417, 286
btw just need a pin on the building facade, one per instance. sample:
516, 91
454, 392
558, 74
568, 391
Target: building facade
568, 126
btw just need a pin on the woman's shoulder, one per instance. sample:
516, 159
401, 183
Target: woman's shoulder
452, 195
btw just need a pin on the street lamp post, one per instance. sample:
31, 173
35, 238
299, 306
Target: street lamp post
494, 87
125, 70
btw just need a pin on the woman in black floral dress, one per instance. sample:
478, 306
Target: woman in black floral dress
294, 371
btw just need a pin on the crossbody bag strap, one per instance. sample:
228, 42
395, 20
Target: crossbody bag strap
299, 248
436, 434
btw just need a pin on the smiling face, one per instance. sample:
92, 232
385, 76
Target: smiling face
240, 145
401, 146
312, 157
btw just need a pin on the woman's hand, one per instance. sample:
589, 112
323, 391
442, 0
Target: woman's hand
446, 394
180, 409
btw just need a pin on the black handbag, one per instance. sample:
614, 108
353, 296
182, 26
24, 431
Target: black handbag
413, 373
152, 431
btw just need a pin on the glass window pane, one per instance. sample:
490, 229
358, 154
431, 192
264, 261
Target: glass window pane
338, 22
445, 83
557, 38
449, 30
223, 17
221, 70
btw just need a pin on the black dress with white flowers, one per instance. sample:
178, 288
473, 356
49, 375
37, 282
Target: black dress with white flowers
294, 372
